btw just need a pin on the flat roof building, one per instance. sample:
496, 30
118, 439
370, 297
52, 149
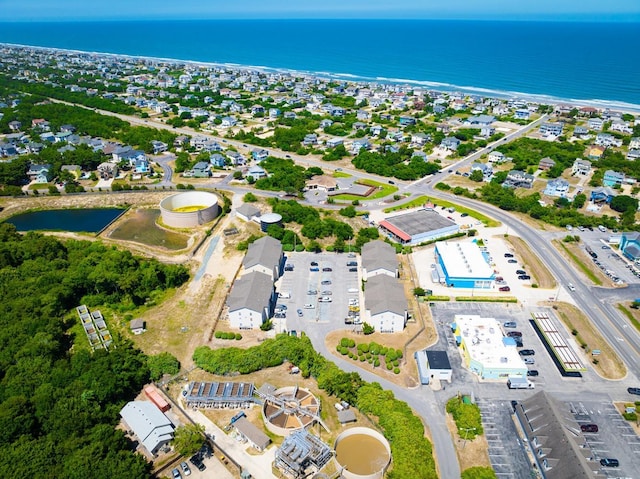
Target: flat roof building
485, 350
218, 395
302, 454
418, 227
433, 365
463, 265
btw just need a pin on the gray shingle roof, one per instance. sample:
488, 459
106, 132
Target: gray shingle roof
384, 293
379, 255
252, 291
266, 251
252, 433
248, 210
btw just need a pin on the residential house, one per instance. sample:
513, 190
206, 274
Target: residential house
607, 140
386, 304
158, 147
362, 115
290, 115
35, 147
612, 178
40, 173
518, 179
521, 114
439, 109
485, 168
633, 154
557, 187
580, 131
333, 142
487, 131
48, 137
256, 172
257, 110
236, 158
7, 149
322, 182
180, 141
259, 154
496, 157
15, 125
360, 144
595, 124
251, 300
201, 169
620, 126
68, 128
376, 130
406, 120
217, 160
274, 113
228, 122
595, 152
142, 166
40, 124
551, 129
149, 424
602, 194
107, 170
310, 139
450, 143
581, 167
421, 154
325, 123
546, 164
378, 257
634, 143
62, 136
420, 139
481, 120
358, 125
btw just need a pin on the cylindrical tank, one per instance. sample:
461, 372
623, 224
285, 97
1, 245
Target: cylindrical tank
186, 210
363, 452
270, 219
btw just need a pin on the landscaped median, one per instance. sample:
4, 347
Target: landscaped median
487, 299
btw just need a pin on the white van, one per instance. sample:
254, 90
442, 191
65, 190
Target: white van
602, 228
352, 290
284, 295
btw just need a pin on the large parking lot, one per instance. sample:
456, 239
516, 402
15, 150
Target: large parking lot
320, 296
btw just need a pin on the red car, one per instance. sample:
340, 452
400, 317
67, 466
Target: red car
504, 288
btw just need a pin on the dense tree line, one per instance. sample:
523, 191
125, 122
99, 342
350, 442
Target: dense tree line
61, 93
412, 452
399, 165
59, 404
284, 175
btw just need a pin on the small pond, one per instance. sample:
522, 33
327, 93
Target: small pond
90, 220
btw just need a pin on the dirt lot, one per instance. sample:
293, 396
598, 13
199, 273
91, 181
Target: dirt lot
470, 453
539, 272
609, 364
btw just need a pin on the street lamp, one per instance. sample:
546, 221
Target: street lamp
466, 434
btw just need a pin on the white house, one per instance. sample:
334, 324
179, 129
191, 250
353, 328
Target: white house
378, 258
264, 256
251, 300
386, 304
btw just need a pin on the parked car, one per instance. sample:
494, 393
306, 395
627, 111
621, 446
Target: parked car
300, 313
571, 287
352, 263
288, 267
609, 462
176, 474
196, 460
529, 360
309, 306
314, 263
512, 260
532, 372
314, 269
326, 293
282, 307
185, 468
508, 255
634, 391
325, 282
353, 270
526, 352
325, 299
504, 288
326, 270
524, 277
511, 334
312, 291
521, 271
510, 324
589, 427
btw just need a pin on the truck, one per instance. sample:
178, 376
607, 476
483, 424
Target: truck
520, 383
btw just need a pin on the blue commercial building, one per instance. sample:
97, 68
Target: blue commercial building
462, 265
630, 245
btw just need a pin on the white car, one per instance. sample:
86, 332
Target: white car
325, 299
571, 287
309, 306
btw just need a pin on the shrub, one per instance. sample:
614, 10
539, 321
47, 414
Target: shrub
344, 342
352, 343
396, 370
344, 351
238, 336
376, 363
389, 366
218, 334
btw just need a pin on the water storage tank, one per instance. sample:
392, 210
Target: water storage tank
270, 219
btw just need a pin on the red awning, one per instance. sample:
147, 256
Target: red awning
395, 230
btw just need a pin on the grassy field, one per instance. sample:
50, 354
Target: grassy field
633, 315
420, 200
488, 222
573, 252
341, 174
384, 190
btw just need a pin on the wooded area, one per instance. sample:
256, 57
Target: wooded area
59, 404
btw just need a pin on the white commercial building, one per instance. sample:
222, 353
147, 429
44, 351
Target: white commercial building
386, 304
462, 265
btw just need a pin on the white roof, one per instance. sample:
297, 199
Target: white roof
463, 260
483, 339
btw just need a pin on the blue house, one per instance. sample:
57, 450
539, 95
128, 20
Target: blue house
602, 194
630, 245
40, 173
406, 120
141, 165
259, 154
256, 172
612, 178
450, 143
218, 160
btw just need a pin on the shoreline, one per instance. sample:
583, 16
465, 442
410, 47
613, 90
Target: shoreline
352, 78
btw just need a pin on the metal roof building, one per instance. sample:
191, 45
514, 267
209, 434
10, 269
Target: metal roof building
418, 227
463, 265
148, 423
258, 439
300, 452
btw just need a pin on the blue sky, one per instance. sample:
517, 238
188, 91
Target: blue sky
61, 10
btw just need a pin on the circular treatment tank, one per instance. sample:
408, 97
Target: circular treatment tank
270, 219
364, 453
290, 409
186, 210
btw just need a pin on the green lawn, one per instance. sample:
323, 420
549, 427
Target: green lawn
385, 190
488, 222
583, 267
341, 174
420, 200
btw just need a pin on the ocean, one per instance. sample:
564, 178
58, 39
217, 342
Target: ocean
594, 63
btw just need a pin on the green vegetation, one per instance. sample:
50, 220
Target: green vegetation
399, 165
487, 299
580, 264
630, 316
383, 190
161, 364
285, 175
250, 198
467, 417
488, 222
341, 174
412, 452
374, 353
59, 402
479, 472
188, 439
228, 336
527, 153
